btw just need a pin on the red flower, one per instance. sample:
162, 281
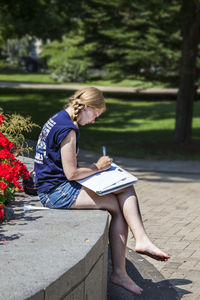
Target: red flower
2, 187
11, 170
1, 119
5, 154
5, 143
1, 211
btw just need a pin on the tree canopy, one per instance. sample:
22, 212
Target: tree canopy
153, 39
40, 18
133, 37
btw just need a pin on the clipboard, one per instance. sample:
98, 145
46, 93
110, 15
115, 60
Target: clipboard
108, 181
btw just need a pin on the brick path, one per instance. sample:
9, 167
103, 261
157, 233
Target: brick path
170, 206
169, 196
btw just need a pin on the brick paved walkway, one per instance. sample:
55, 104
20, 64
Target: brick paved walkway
169, 196
170, 205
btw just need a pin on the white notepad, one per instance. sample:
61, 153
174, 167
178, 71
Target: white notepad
105, 182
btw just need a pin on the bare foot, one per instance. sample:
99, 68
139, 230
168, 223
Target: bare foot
126, 282
149, 249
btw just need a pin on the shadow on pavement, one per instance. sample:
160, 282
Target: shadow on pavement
155, 286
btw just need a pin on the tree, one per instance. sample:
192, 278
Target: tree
146, 35
39, 18
190, 13
66, 60
133, 37
124, 37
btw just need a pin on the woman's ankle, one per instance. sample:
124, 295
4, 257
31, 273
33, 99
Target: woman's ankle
122, 279
118, 273
142, 240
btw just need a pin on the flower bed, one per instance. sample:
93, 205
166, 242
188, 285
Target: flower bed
11, 169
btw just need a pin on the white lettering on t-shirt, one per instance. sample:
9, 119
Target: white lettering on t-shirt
41, 144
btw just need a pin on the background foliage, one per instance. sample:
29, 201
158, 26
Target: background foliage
116, 40
125, 39
66, 60
121, 39
110, 39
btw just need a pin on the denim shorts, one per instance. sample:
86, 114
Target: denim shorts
63, 196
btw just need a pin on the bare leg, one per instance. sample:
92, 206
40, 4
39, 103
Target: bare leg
118, 232
118, 242
129, 205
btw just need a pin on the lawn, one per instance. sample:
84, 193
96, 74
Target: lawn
15, 74
128, 128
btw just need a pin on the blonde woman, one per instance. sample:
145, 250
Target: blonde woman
57, 171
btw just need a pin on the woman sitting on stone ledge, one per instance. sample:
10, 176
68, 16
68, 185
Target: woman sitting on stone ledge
57, 171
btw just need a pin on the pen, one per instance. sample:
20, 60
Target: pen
104, 150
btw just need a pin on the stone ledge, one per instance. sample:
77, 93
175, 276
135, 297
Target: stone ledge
53, 254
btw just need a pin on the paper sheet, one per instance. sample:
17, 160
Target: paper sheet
107, 179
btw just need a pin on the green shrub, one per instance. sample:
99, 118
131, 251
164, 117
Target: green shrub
70, 71
14, 127
66, 60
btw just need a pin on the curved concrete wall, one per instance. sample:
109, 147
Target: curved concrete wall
53, 254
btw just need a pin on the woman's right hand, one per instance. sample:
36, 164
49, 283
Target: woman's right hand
103, 163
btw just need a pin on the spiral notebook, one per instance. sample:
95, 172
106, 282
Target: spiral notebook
105, 182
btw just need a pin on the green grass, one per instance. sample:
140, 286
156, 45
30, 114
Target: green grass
15, 74
128, 128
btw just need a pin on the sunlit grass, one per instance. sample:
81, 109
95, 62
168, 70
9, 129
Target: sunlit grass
15, 74
33, 78
128, 128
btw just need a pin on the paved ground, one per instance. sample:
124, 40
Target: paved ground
171, 212
21, 85
161, 93
169, 195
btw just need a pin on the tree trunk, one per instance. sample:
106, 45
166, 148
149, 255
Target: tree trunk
190, 32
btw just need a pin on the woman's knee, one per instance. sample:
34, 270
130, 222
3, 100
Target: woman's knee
127, 190
113, 206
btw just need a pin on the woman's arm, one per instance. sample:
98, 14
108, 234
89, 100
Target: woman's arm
69, 161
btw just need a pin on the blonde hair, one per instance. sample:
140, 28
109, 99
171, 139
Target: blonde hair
89, 96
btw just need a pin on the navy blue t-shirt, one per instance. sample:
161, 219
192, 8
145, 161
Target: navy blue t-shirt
48, 164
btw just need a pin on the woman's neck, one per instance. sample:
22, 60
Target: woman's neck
69, 110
